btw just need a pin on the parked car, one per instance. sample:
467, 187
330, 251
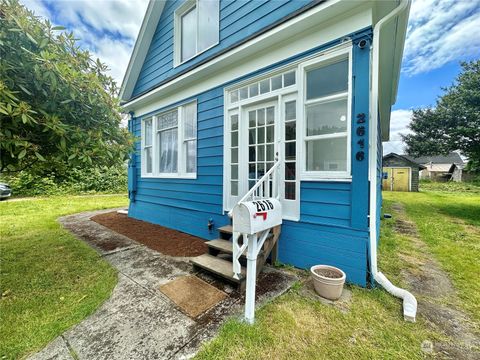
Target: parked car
5, 191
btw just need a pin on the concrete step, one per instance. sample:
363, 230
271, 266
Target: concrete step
217, 266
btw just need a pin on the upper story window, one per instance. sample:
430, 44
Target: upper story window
196, 28
169, 143
327, 118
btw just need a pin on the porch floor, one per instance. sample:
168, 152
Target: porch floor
139, 321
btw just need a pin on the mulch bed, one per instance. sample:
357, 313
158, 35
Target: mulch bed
156, 237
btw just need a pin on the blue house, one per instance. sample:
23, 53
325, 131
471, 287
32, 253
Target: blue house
220, 92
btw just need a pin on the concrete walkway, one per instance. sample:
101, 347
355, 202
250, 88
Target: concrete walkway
138, 321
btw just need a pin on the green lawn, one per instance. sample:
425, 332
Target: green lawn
294, 327
49, 279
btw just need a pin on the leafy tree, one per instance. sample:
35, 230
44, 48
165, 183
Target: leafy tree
454, 123
58, 108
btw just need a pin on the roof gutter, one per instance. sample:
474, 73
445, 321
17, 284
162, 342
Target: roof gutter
409, 301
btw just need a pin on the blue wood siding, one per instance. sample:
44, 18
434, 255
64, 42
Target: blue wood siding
238, 21
333, 226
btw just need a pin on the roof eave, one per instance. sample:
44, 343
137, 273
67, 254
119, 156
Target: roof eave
142, 44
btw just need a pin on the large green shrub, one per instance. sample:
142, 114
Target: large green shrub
74, 181
58, 106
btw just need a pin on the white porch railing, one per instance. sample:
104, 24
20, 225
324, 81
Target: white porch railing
266, 187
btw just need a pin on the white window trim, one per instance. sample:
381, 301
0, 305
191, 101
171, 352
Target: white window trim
323, 60
177, 33
181, 148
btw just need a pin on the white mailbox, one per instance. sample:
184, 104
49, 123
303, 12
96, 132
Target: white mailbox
251, 217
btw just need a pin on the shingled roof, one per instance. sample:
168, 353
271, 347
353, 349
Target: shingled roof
452, 158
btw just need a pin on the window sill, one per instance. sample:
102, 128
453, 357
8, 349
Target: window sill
325, 178
178, 62
169, 176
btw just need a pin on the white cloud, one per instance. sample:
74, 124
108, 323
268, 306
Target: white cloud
398, 125
440, 31
107, 28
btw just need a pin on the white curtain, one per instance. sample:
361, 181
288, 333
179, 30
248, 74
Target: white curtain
168, 140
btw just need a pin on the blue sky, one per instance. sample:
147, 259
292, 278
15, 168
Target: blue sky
441, 33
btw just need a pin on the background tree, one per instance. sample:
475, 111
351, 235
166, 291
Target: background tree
58, 108
454, 123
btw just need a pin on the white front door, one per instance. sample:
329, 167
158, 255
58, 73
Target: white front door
257, 133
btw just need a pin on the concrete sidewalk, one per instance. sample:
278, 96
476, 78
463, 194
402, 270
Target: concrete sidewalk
138, 321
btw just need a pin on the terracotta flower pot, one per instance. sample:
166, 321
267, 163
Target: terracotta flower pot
328, 281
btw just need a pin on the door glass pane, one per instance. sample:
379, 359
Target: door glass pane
327, 118
327, 80
234, 138
270, 133
290, 110
234, 172
234, 158
234, 122
252, 118
290, 190
270, 153
168, 150
251, 136
327, 154
290, 130
251, 170
261, 117
270, 115
290, 171
261, 135
234, 188
251, 153
290, 151
208, 27
189, 34
261, 153
260, 170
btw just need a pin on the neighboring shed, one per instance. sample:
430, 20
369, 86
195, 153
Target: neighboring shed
400, 173
438, 167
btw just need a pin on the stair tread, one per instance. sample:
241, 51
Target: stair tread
228, 229
222, 245
217, 266
226, 246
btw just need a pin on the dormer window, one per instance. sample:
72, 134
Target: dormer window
196, 28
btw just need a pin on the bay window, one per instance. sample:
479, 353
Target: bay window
327, 119
196, 28
172, 152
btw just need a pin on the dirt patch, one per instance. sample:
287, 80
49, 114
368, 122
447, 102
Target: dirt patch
328, 273
156, 237
433, 288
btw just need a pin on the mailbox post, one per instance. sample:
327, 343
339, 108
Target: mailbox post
253, 220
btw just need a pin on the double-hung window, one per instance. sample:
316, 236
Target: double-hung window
327, 118
169, 143
196, 28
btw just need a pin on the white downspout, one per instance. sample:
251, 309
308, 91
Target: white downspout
409, 301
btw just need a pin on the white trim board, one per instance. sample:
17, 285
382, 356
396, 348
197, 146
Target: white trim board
318, 26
